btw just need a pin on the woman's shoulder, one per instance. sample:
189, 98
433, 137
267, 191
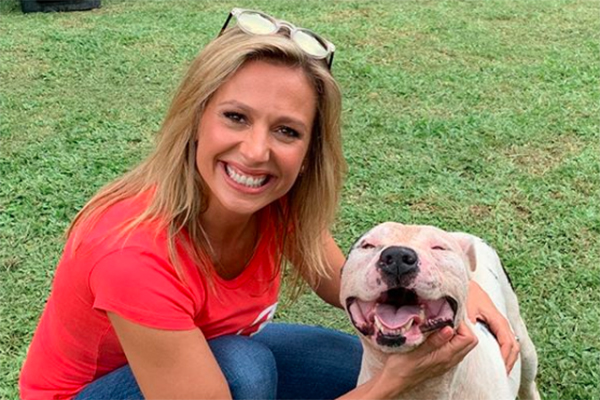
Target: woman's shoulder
118, 226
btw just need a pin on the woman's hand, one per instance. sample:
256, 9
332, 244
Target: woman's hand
441, 352
480, 307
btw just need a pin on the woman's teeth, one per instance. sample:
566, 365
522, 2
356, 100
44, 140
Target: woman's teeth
245, 180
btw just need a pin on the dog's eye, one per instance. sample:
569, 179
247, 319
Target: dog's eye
438, 248
366, 245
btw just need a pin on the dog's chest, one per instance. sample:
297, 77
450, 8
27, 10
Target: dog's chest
439, 388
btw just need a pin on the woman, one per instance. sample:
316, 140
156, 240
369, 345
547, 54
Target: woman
170, 272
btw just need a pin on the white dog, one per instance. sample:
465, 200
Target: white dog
400, 283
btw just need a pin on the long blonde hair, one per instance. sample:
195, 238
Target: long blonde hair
178, 190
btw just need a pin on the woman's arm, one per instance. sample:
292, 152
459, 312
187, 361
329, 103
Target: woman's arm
329, 288
170, 364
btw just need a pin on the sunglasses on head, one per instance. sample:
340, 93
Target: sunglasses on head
258, 23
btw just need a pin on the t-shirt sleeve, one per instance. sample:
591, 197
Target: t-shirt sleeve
143, 288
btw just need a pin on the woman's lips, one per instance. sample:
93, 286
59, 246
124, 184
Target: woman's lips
251, 183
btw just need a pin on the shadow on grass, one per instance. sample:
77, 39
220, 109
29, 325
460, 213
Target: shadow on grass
10, 7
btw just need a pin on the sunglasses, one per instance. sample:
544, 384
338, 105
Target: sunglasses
258, 23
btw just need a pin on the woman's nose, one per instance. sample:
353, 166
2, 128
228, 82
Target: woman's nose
255, 145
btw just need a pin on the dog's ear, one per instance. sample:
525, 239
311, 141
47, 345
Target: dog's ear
467, 245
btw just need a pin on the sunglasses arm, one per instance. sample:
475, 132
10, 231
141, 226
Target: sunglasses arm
330, 63
225, 24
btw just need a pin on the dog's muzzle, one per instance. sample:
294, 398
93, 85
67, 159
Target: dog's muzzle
399, 315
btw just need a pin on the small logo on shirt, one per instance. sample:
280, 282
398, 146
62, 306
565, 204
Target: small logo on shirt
260, 322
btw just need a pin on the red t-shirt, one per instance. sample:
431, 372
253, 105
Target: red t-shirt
75, 343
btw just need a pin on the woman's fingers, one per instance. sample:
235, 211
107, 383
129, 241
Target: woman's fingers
464, 341
448, 347
481, 307
509, 347
510, 352
512, 357
437, 340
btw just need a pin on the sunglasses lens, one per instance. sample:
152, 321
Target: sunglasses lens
256, 23
310, 43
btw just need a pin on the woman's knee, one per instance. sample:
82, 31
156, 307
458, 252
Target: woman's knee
248, 366
313, 362
116, 385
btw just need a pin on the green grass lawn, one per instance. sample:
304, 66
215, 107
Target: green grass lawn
481, 116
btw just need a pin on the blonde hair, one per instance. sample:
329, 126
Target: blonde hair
178, 190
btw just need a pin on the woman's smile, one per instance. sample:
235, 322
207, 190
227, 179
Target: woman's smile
250, 182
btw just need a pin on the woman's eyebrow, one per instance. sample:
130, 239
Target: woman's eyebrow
286, 119
236, 103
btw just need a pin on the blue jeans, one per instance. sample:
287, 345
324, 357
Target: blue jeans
283, 361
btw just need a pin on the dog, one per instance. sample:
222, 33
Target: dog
400, 283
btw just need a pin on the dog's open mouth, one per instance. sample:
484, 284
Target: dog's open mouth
399, 315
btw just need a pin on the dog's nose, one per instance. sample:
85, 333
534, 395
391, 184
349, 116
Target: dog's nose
398, 261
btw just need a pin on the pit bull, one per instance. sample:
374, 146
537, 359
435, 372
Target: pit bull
400, 283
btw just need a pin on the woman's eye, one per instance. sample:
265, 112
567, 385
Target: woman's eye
288, 132
235, 117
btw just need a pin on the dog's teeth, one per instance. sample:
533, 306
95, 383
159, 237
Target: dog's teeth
378, 324
400, 331
406, 327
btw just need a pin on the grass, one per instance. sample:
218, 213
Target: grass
474, 116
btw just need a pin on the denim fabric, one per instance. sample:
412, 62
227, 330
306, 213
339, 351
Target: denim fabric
283, 361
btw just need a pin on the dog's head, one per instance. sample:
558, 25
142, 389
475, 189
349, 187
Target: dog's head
400, 283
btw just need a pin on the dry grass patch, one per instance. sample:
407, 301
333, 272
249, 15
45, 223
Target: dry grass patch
537, 159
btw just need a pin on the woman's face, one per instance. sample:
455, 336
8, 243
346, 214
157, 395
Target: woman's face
253, 137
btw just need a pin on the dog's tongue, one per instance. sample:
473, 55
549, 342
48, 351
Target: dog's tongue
395, 318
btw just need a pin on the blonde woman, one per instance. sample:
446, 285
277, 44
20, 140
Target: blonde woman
171, 272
